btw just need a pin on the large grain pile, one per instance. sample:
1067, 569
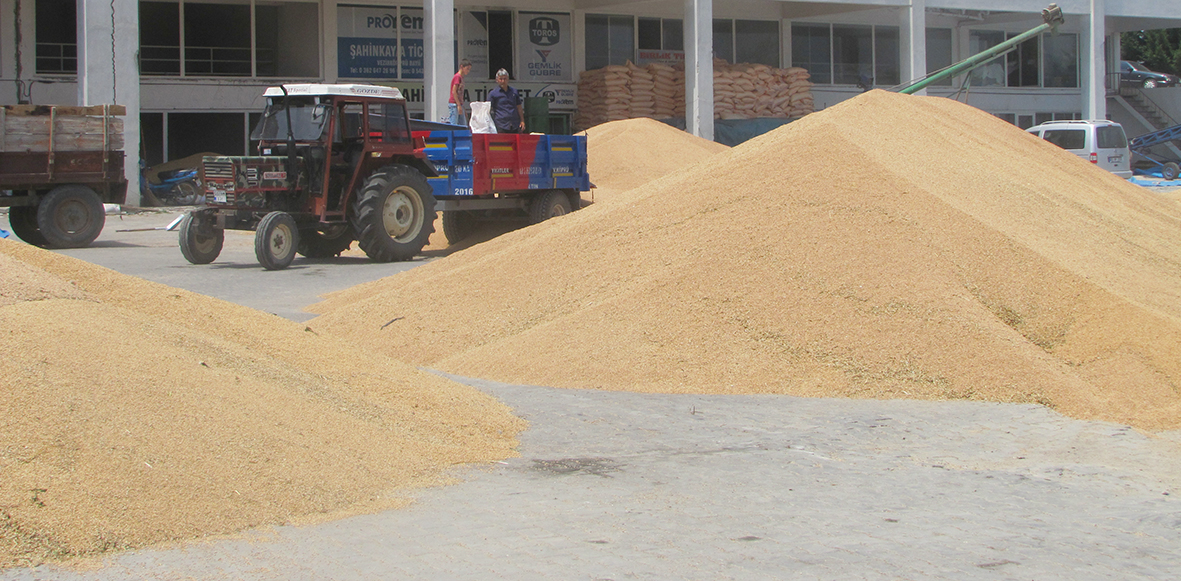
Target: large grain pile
890, 246
133, 413
624, 154
741, 91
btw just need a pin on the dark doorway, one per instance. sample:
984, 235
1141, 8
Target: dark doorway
189, 133
500, 43
151, 135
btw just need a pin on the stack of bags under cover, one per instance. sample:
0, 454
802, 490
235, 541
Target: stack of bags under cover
742, 91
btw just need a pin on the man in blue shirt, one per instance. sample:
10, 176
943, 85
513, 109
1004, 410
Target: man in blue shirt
508, 111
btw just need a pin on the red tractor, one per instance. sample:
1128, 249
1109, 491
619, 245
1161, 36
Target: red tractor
337, 163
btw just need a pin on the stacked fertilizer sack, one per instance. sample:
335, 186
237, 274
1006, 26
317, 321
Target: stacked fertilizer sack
746, 91
742, 91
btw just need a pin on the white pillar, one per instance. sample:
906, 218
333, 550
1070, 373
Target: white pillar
914, 41
439, 58
329, 58
108, 42
699, 68
1094, 67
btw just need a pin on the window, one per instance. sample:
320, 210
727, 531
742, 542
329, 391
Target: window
747, 41
57, 42
939, 54
1022, 64
811, 48
218, 39
1060, 59
852, 53
993, 73
674, 34
1045, 61
1111, 137
159, 43
609, 40
724, 40
650, 34
1066, 138
756, 41
387, 121
886, 46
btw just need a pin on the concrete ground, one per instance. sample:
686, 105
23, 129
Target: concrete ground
643, 486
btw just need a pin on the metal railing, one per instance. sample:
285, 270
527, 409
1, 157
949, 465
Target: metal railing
205, 61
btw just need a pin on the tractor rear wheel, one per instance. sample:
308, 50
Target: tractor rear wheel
71, 216
457, 226
1170, 171
394, 214
200, 240
547, 205
275, 240
23, 220
327, 243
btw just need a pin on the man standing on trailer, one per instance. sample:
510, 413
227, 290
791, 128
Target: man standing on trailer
455, 103
508, 111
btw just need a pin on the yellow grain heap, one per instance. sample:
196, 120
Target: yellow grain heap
624, 154
133, 413
891, 246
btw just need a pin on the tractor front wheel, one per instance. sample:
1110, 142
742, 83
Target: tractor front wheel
275, 240
200, 240
394, 214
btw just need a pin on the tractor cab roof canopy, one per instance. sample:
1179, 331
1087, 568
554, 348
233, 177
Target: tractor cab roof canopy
316, 89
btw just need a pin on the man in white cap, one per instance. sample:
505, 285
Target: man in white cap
508, 111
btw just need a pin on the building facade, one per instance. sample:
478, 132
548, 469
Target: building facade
192, 73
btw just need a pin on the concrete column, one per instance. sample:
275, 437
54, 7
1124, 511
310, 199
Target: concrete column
1094, 66
914, 41
699, 68
439, 45
108, 44
330, 26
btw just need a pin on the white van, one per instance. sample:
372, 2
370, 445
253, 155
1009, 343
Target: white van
1098, 141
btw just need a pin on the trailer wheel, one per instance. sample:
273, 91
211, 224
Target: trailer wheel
547, 205
1171, 170
23, 220
457, 226
71, 216
200, 240
275, 240
328, 243
394, 214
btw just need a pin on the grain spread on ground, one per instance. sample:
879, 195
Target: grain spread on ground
133, 413
890, 246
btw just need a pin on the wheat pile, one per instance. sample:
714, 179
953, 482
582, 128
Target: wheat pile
959, 257
624, 154
133, 413
741, 91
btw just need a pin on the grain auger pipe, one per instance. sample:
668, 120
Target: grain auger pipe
1051, 18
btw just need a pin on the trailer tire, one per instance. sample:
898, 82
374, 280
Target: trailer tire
327, 244
547, 205
1170, 170
70, 216
23, 220
458, 225
275, 240
394, 214
200, 241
